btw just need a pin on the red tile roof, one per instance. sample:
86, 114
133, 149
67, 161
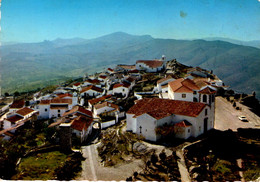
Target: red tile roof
24, 111
77, 84
130, 79
96, 100
17, 104
104, 104
126, 85
207, 90
64, 95
183, 123
165, 79
59, 107
95, 81
182, 85
151, 63
92, 87
160, 108
103, 76
109, 69
61, 101
81, 123
78, 109
14, 119
133, 71
127, 67
45, 102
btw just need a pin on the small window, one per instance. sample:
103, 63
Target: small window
166, 91
123, 89
200, 128
206, 112
58, 115
204, 98
58, 110
194, 92
140, 66
188, 130
183, 95
46, 110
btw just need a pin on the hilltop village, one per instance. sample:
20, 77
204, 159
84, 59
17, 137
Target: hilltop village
152, 101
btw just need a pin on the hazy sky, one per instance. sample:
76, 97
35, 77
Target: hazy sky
38, 20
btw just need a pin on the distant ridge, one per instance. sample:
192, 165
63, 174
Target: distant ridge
28, 65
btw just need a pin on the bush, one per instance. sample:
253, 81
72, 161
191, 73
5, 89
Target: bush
234, 104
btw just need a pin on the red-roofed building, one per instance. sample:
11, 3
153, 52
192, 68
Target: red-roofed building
76, 86
105, 107
121, 88
163, 82
150, 65
149, 113
94, 101
89, 82
90, 91
17, 104
19, 118
189, 90
110, 71
102, 78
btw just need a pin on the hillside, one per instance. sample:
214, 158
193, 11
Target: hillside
26, 66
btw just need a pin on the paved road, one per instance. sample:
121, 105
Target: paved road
226, 116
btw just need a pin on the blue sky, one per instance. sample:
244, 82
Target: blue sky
38, 20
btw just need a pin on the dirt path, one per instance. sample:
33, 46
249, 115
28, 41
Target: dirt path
226, 116
92, 170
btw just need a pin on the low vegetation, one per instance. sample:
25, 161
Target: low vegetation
215, 158
158, 168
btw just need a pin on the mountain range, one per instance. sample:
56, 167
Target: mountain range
26, 66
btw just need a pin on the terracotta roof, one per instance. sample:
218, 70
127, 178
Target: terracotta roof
14, 119
78, 109
103, 76
96, 100
182, 85
183, 123
126, 85
95, 81
59, 107
45, 102
151, 63
24, 111
61, 101
133, 71
109, 69
127, 67
17, 104
207, 90
77, 84
92, 87
81, 123
64, 95
104, 104
130, 79
165, 79
160, 108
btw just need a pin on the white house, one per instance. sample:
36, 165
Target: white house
121, 88
151, 113
110, 71
76, 86
183, 89
102, 78
150, 65
94, 101
19, 118
90, 91
89, 82
105, 107
163, 82
53, 108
